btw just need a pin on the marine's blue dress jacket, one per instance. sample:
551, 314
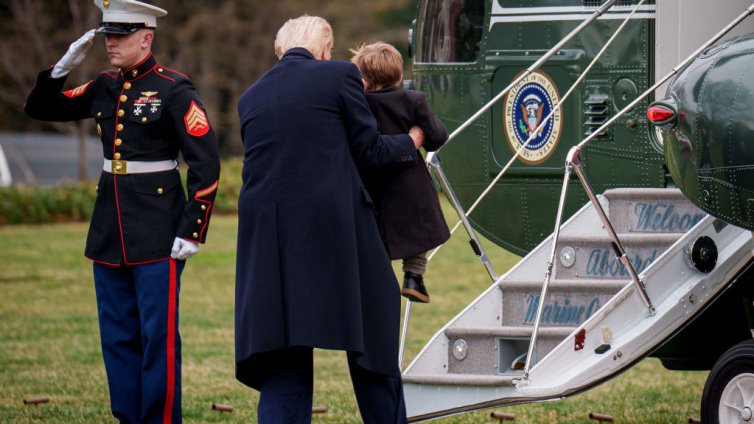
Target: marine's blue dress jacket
311, 268
145, 113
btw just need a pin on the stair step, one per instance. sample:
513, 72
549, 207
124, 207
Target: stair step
569, 302
494, 350
651, 211
627, 239
561, 284
461, 380
593, 257
507, 331
478, 358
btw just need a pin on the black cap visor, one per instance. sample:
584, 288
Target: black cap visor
121, 28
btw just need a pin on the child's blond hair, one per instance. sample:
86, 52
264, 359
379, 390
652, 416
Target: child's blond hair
381, 64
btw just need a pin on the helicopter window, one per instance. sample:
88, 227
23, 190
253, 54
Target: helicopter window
598, 3
450, 31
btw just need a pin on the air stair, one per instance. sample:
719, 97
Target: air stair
594, 322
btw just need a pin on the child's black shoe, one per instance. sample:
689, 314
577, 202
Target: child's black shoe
413, 288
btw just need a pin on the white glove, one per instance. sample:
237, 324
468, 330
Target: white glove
183, 249
75, 54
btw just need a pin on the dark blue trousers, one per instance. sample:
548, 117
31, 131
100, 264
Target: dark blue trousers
138, 321
287, 390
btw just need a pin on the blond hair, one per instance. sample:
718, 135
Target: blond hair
310, 32
381, 64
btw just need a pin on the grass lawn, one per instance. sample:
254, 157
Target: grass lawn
49, 342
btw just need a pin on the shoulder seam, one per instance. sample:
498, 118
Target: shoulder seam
174, 71
165, 77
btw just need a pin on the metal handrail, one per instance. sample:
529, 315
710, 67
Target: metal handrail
433, 161
544, 122
476, 245
597, 13
548, 271
573, 163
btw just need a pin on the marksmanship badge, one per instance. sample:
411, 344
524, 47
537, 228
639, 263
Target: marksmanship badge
526, 106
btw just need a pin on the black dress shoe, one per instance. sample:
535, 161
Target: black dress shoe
413, 288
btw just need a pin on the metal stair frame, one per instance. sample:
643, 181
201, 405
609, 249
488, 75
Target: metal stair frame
666, 308
565, 371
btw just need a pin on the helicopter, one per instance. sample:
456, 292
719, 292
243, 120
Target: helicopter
554, 103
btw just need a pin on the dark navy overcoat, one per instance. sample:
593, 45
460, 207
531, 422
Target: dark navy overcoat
311, 268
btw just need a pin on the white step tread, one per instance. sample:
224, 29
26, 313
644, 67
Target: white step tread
510, 331
460, 379
572, 283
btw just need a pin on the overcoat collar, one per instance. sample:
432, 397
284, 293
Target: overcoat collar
298, 53
387, 89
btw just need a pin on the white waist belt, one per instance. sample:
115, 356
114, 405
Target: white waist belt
123, 167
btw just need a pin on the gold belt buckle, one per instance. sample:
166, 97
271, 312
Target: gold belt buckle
119, 167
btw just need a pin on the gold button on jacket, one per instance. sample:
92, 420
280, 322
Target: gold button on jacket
159, 117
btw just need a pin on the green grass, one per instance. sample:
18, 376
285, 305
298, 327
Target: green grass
49, 342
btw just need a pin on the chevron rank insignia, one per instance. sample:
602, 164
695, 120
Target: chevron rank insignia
75, 92
196, 121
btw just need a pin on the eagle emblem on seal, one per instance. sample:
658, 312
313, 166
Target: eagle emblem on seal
532, 118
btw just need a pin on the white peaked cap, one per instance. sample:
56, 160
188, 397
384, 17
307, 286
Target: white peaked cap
130, 12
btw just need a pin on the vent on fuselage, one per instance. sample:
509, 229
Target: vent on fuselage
597, 3
596, 109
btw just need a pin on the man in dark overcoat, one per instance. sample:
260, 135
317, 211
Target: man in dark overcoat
312, 271
143, 228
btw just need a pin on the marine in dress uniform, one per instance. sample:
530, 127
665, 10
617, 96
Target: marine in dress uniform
143, 227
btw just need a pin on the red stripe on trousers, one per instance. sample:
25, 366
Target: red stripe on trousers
170, 394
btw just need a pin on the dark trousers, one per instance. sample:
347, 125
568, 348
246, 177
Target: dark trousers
138, 321
287, 390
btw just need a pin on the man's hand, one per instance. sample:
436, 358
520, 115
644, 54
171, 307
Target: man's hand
417, 135
75, 55
183, 249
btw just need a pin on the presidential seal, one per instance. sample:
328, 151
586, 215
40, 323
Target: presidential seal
526, 106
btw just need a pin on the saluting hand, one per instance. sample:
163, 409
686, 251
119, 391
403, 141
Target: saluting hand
183, 249
75, 55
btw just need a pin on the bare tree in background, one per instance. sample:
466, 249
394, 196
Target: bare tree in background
225, 46
35, 37
222, 45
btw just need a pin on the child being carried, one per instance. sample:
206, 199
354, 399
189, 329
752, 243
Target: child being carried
408, 211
